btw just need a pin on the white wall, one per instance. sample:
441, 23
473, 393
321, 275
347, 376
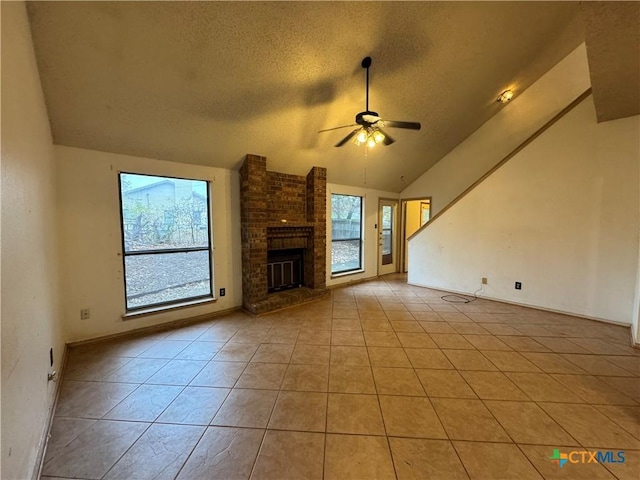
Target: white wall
30, 312
370, 233
517, 121
91, 245
562, 217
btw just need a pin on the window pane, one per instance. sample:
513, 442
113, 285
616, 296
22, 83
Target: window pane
346, 219
346, 231
164, 213
345, 255
386, 234
158, 278
161, 212
387, 214
386, 242
425, 211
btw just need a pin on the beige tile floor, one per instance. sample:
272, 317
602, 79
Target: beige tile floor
382, 380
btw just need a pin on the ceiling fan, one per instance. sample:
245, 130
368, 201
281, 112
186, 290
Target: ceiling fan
369, 131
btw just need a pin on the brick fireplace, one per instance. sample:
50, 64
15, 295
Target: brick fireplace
281, 213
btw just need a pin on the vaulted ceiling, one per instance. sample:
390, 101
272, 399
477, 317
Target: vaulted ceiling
207, 82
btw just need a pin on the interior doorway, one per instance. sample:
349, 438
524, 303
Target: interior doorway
388, 251
415, 213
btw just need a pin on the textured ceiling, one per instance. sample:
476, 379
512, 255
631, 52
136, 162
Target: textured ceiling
613, 47
208, 82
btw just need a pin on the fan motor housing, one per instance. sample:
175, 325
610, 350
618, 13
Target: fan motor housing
360, 117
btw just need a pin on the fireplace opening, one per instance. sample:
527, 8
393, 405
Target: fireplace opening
285, 269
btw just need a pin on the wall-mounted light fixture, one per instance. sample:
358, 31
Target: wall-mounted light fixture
505, 96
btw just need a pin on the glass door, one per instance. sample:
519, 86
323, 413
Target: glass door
387, 248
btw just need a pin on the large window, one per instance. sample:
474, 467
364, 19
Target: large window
346, 233
166, 240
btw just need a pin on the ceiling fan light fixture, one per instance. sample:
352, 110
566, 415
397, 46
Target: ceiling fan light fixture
361, 136
505, 96
378, 136
369, 136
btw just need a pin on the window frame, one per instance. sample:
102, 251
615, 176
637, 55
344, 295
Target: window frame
359, 268
161, 306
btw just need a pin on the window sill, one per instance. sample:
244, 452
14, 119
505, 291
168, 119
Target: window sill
346, 274
155, 310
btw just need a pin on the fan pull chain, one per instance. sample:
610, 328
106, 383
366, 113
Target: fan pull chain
366, 151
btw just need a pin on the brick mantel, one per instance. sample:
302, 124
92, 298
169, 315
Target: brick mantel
280, 211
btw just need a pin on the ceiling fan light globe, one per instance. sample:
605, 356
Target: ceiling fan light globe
378, 136
371, 142
361, 137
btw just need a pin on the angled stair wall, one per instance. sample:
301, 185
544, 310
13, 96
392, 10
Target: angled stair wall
561, 216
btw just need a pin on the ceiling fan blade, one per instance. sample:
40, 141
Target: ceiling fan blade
409, 125
337, 128
346, 139
387, 139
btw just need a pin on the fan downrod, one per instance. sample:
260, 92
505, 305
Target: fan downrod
366, 63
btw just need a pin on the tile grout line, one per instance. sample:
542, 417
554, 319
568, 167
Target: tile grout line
127, 449
195, 445
326, 419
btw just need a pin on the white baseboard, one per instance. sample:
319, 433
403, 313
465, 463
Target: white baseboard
535, 307
181, 322
46, 431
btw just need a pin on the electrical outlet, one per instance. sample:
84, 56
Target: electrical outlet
223, 292
484, 280
518, 285
85, 314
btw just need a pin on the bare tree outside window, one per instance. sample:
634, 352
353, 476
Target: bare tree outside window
166, 240
346, 233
